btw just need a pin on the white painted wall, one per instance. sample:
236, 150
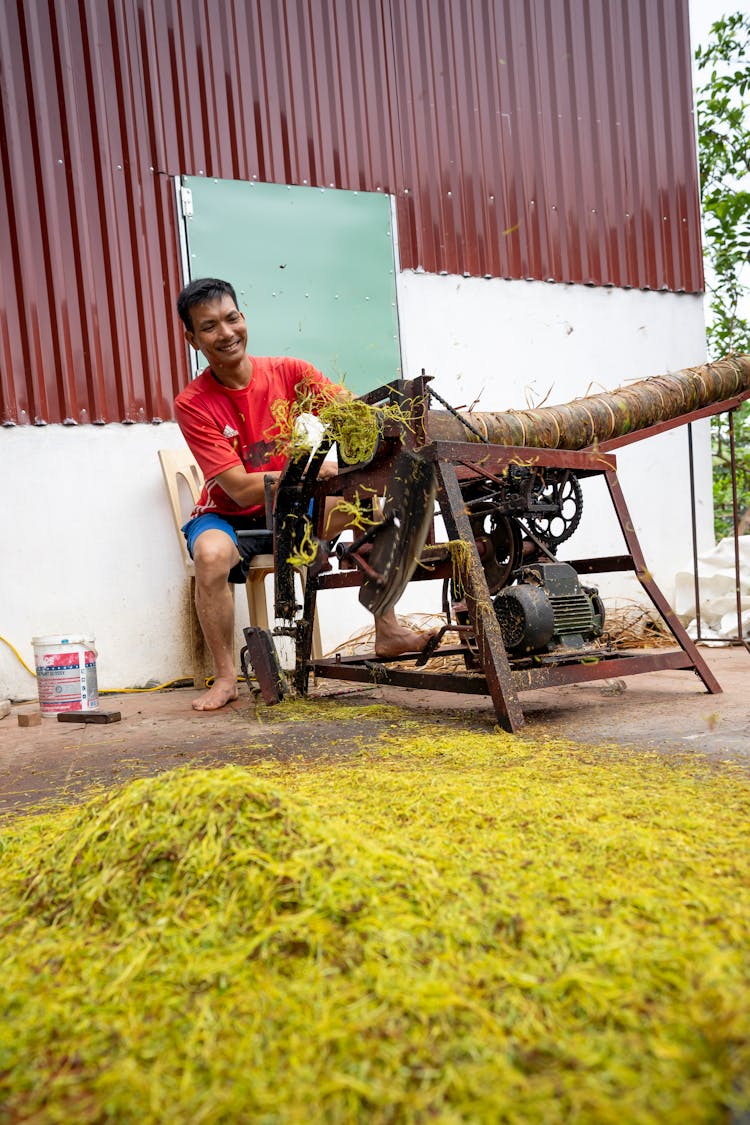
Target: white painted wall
89, 545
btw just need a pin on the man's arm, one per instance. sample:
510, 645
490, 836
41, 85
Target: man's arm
248, 489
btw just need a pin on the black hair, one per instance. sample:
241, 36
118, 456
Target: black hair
198, 292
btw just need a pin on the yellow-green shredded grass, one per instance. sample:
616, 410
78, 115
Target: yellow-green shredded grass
306, 550
355, 426
445, 927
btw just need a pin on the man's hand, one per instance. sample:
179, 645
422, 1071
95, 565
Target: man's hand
327, 470
274, 475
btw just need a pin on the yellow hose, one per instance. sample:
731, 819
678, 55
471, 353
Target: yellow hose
102, 691
17, 655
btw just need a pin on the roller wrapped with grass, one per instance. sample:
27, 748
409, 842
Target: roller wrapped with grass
598, 418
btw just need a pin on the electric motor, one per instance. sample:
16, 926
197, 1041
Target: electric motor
548, 608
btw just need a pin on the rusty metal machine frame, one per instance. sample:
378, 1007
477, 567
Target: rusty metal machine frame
454, 463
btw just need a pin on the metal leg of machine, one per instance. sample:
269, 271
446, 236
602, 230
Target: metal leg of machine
492, 655
697, 663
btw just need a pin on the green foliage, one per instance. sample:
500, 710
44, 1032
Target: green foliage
723, 104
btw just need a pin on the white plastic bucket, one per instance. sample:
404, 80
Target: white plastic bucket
65, 674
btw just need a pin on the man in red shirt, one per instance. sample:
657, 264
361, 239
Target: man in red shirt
225, 416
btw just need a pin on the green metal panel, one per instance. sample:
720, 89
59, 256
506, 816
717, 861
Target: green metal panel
313, 270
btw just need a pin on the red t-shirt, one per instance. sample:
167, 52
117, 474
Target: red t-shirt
226, 427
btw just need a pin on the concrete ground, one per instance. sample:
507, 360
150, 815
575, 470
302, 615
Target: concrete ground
668, 711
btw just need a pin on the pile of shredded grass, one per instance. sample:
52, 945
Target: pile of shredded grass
353, 425
450, 926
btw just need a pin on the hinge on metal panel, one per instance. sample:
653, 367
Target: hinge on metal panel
186, 197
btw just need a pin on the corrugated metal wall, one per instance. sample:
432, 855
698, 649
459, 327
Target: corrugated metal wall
561, 137
87, 233
548, 139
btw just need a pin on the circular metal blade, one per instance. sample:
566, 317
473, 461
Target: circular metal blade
397, 545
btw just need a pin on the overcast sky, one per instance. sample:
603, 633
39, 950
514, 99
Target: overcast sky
705, 12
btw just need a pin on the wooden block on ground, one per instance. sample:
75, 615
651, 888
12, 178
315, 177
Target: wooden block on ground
88, 716
30, 719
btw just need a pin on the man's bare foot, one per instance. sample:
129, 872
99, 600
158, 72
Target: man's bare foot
221, 692
393, 639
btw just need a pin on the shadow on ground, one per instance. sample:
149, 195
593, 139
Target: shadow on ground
666, 711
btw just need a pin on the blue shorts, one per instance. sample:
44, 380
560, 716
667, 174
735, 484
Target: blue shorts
253, 539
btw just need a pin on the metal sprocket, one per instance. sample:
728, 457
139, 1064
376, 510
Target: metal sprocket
563, 495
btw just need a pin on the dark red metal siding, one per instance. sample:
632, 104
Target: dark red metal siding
87, 230
294, 92
548, 139
560, 137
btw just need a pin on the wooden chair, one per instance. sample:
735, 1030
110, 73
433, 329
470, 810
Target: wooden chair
179, 467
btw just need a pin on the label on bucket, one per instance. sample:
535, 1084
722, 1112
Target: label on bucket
67, 680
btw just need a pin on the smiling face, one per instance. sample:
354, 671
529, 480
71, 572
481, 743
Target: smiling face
219, 332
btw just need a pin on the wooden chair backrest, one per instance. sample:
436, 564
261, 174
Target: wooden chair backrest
178, 465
